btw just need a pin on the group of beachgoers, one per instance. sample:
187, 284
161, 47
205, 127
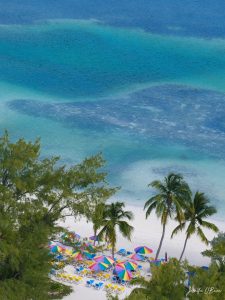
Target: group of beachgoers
77, 260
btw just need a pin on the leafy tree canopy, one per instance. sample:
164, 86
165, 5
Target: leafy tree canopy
35, 194
167, 283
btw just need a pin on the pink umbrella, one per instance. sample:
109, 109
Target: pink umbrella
77, 256
106, 259
137, 257
98, 266
143, 250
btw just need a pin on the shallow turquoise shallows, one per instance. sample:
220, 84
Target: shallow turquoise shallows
97, 68
86, 60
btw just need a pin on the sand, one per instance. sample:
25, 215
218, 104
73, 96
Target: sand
147, 232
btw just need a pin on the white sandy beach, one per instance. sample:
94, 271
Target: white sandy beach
147, 232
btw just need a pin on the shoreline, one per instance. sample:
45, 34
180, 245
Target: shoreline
148, 233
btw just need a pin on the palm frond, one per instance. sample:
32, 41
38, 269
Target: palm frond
151, 207
180, 227
125, 229
210, 225
155, 198
202, 235
140, 281
127, 215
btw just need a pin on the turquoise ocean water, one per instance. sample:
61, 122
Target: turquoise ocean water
150, 103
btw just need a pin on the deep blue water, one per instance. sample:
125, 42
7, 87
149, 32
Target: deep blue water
201, 18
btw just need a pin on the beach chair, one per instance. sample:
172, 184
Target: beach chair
59, 276
121, 289
107, 276
90, 283
99, 285
123, 282
70, 277
73, 278
79, 269
114, 279
64, 277
114, 288
108, 286
79, 279
122, 252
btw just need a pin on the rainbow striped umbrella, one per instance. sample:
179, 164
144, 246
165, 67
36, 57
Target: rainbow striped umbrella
88, 255
119, 267
130, 265
143, 250
137, 257
98, 266
68, 252
124, 275
105, 259
56, 249
77, 256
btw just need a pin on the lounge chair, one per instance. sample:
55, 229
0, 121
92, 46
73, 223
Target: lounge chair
114, 279
121, 289
99, 285
90, 283
122, 252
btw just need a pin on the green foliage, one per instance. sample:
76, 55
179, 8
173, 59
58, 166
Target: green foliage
167, 283
58, 291
96, 206
115, 217
171, 197
207, 284
217, 251
35, 194
196, 211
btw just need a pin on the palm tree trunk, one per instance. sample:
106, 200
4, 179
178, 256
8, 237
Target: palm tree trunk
160, 244
185, 243
95, 232
113, 250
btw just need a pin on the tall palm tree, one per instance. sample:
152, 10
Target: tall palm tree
195, 214
115, 217
97, 218
172, 194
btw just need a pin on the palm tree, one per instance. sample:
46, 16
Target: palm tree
195, 214
97, 218
115, 216
172, 194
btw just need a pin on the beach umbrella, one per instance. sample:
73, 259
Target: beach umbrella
51, 244
136, 256
130, 265
98, 266
69, 252
124, 274
143, 250
106, 259
118, 268
77, 256
90, 247
88, 255
56, 249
